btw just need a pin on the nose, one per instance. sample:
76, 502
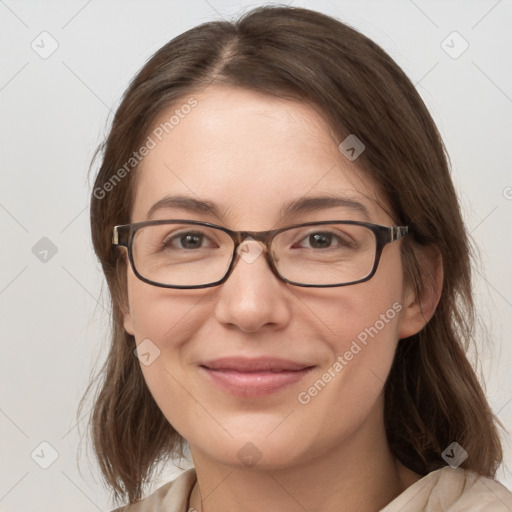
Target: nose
252, 297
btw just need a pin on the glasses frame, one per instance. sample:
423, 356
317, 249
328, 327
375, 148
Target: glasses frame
123, 236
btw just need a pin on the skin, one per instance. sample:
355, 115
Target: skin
250, 153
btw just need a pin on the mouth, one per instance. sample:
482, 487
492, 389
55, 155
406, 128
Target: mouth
251, 378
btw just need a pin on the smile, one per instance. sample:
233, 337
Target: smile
254, 378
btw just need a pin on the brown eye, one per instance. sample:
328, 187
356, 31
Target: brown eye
189, 240
327, 240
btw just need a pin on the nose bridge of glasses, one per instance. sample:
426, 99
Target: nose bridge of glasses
253, 239
251, 246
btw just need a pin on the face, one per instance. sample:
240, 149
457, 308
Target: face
251, 154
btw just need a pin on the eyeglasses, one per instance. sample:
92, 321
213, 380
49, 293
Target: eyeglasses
193, 254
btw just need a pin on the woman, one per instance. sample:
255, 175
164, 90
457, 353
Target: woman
290, 282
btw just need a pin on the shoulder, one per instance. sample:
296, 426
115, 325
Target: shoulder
453, 490
481, 494
171, 497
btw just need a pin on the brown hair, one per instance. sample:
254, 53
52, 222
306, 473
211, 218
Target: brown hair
432, 395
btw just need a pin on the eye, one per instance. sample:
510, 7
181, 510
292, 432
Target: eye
319, 240
328, 240
185, 240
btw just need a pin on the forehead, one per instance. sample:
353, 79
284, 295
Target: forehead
248, 152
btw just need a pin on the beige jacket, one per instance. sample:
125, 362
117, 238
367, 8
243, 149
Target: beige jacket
444, 490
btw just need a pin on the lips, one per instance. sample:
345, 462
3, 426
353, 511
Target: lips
265, 364
255, 377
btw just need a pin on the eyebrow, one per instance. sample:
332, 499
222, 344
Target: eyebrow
186, 203
316, 203
301, 205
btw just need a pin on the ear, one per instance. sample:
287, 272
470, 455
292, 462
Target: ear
123, 293
125, 311
127, 322
419, 309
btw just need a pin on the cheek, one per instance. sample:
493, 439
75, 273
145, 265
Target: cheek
163, 321
364, 353
165, 316
362, 324
374, 321
359, 314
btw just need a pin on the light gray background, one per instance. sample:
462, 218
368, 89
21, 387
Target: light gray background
54, 112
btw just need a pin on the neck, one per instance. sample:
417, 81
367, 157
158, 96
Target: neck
359, 474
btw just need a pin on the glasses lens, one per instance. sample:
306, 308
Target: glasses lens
182, 254
325, 254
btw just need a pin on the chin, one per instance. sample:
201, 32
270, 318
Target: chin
258, 453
